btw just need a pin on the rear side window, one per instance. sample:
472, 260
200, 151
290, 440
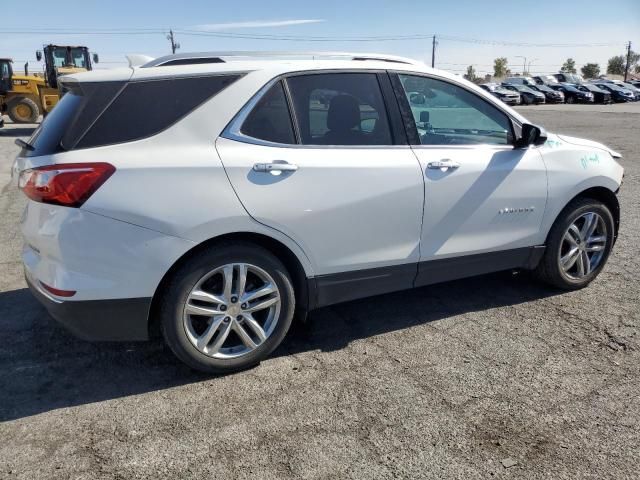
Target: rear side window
270, 119
340, 109
145, 108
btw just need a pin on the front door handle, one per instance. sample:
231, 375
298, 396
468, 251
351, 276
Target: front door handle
275, 167
443, 165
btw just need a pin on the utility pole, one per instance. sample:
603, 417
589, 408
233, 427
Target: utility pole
626, 68
174, 45
433, 53
524, 65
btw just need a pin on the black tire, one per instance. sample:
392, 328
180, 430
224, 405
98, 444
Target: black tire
570, 99
526, 100
182, 281
548, 270
23, 103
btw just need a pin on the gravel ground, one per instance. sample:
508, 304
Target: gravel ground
492, 376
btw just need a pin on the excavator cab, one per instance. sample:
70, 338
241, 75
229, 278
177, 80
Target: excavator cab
6, 75
25, 97
63, 60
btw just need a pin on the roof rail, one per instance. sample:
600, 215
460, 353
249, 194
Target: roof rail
221, 57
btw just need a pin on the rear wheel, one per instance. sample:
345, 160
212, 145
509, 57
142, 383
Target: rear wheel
578, 246
228, 308
23, 110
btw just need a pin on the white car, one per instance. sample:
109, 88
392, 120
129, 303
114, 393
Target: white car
211, 197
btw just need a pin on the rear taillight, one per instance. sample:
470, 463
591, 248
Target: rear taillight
57, 292
67, 184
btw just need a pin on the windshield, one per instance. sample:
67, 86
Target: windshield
523, 88
78, 57
612, 86
59, 56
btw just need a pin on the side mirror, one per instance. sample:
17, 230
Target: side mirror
531, 135
39, 55
417, 99
96, 58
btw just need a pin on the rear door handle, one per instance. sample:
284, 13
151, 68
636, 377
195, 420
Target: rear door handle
275, 166
443, 165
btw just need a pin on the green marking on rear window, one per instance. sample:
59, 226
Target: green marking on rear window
552, 143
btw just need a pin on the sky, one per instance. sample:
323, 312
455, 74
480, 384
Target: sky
472, 32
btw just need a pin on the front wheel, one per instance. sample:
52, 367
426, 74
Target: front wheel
23, 110
578, 245
227, 308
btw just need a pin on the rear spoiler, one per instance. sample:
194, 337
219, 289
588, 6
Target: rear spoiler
136, 60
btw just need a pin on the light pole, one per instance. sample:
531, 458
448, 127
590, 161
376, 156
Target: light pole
524, 65
529, 65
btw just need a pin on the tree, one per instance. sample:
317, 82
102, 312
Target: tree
590, 70
471, 74
616, 64
569, 66
500, 67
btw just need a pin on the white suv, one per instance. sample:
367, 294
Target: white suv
213, 197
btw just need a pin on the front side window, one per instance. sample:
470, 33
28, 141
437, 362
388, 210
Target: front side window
446, 114
340, 109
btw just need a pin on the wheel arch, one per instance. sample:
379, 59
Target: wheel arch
602, 194
294, 266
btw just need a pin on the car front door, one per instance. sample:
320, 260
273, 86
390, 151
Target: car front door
317, 157
484, 199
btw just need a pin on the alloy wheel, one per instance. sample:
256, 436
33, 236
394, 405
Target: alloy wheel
231, 310
583, 246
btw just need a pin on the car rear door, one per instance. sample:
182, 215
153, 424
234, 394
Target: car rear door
323, 158
484, 199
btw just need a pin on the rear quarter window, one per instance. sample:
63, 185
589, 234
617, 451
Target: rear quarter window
145, 108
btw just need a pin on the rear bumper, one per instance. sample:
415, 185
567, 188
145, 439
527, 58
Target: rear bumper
98, 320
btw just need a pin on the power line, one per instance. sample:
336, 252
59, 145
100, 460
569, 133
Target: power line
297, 38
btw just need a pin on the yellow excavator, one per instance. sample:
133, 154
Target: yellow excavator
25, 97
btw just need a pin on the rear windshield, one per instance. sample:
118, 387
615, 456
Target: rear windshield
106, 113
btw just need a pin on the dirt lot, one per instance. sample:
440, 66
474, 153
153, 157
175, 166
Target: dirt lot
493, 376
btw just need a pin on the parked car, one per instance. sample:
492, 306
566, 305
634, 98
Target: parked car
528, 95
633, 88
572, 94
635, 83
599, 95
507, 96
618, 93
551, 96
520, 80
214, 218
545, 79
568, 78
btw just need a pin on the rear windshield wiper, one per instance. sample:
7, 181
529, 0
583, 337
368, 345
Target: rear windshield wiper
26, 145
